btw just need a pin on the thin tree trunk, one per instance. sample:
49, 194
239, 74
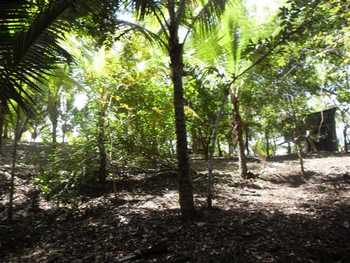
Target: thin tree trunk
35, 133
54, 131
237, 123
297, 136
219, 148
345, 135
289, 148
2, 123
230, 147
184, 176
5, 131
194, 141
13, 168
274, 148
102, 173
267, 142
247, 140
301, 159
211, 150
206, 145
63, 128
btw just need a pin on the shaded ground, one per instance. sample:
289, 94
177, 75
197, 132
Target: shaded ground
279, 217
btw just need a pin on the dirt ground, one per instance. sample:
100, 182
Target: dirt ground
280, 216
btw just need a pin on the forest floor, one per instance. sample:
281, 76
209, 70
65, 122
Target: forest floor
280, 216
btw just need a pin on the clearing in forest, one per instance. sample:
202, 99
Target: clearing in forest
278, 217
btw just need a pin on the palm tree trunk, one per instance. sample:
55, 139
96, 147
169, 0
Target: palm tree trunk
237, 128
54, 131
184, 176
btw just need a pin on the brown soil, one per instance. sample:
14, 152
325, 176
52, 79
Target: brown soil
280, 216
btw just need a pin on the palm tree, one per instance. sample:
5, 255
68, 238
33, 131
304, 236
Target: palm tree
229, 50
174, 17
29, 49
29, 46
222, 50
30, 42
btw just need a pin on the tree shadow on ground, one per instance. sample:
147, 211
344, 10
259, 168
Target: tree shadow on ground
292, 179
282, 158
337, 180
155, 184
219, 235
294, 157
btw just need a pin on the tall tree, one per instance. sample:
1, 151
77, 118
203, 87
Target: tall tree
30, 35
227, 43
175, 17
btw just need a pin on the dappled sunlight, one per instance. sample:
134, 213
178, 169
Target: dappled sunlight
176, 131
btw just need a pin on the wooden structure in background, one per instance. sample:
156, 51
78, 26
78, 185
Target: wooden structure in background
321, 129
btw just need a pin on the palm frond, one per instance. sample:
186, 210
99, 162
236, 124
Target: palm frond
134, 27
29, 47
208, 16
144, 7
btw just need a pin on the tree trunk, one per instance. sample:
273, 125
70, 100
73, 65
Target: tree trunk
5, 131
2, 123
345, 135
301, 159
101, 139
247, 140
219, 148
63, 128
267, 142
184, 176
231, 147
211, 149
289, 148
237, 123
13, 168
206, 145
195, 141
54, 131
274, 148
